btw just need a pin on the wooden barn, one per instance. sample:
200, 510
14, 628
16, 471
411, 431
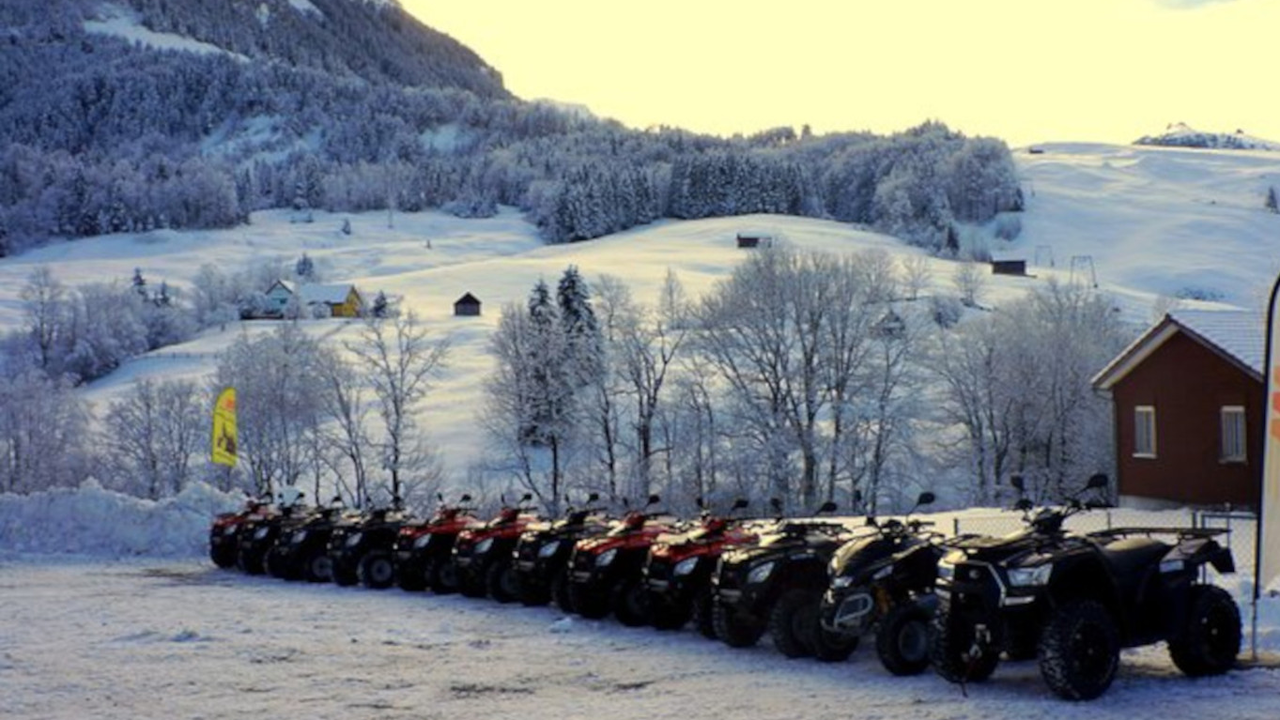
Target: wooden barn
1189, 402
751, 239
466, 306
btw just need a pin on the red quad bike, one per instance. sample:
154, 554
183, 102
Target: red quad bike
678, 571
606, 571
424, 551
223, 540
484, 556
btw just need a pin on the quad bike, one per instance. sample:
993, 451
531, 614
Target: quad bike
605, 570
1079, 598
423, 551
361, 552
677, 573
223, 532
256, 537
483, 555
776, 584
303, 553
882, 583
543, 550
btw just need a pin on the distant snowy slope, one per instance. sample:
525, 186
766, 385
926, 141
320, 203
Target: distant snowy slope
1182, 135
1166, 221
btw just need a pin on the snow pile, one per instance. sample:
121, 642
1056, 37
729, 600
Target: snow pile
92, 520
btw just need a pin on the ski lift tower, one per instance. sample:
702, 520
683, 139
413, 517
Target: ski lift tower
1083, 271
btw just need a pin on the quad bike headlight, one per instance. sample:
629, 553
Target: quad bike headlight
299, 536
1030, 577
842, 581
606, 557
760, 573
946, 571
229, 530
421, 542
686, 566
261, 533
354, 539
548, 549
483, 546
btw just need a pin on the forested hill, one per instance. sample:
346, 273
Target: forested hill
130, 115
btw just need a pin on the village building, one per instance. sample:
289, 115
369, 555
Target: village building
466, 306
342, 301
1189, 404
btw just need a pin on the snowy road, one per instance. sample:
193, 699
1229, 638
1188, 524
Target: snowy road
179, 639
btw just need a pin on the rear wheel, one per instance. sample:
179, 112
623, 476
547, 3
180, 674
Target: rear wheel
410, 578
704, 613
951, 651
471, 582
224, 556
1079, 650
501, 581
902, 640
531, 591
377, 571
1210, 641
735, 630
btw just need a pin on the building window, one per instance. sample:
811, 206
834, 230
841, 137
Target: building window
1144, 431
1233, 438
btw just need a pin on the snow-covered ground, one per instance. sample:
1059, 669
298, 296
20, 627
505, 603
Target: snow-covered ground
180, 639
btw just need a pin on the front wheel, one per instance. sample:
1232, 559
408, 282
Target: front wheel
902, 640
587, 602
631, 603
793, 623
735, 630
668, 613
1210, 640
954, 654
704, 605
501, 582
1079, 650
377, 571
442, 576
318, 568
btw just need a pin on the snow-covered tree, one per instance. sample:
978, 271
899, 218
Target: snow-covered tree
153, 437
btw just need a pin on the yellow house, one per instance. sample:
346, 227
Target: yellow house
342, 301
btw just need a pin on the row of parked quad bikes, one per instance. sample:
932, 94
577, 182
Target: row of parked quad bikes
816, 586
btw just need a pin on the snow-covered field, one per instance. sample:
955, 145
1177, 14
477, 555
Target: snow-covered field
180, 639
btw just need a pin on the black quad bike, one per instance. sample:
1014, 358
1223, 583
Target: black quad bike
424, 551
882, 583
777, 585
362, 551
303, 553
224, 531
483, 556
256, 537
605, 571
1079, 598
543, 550
677, 573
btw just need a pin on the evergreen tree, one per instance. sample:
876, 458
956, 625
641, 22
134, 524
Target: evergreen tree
380, 305
139, 283
1272, 203
305, 268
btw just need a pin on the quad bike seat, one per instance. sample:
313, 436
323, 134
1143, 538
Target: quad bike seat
1131, 557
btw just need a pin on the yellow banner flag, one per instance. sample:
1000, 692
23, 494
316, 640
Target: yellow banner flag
224, 428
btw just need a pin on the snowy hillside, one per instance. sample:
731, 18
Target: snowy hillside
1163, 221
1182, 135
1149, 221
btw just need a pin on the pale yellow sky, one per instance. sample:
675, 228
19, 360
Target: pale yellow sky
1024, 70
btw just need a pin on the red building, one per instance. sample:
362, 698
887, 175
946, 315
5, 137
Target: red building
1189, 401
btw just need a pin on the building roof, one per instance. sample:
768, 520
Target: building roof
467, 299
330, 294
1237, 336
